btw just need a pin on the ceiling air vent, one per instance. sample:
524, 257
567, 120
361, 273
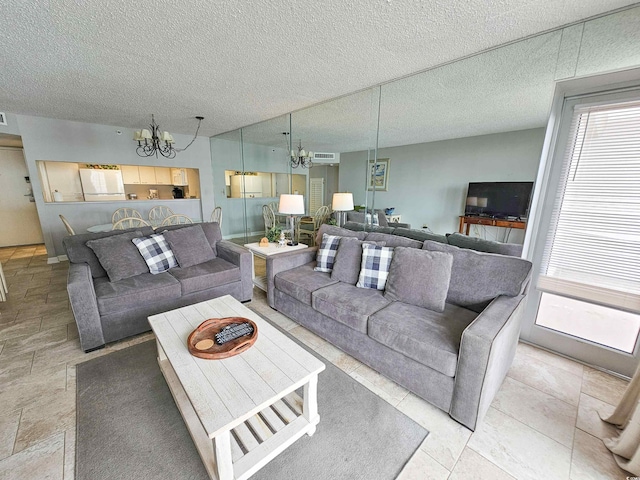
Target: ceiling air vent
3, 118
324, 156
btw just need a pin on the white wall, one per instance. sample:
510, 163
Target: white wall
62, 140
428, 181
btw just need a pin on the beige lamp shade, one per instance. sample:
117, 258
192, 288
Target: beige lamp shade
137, 135
342, 202
166, 137
472, 201
145, 134
291, 204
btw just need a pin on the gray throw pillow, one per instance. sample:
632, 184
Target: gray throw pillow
189, 245
119, 256
346, 266
419, 277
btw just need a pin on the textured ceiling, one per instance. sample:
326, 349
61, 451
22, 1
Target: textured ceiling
239, 62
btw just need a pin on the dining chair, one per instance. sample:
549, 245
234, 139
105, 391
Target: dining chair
176, 219
67, 225
158, 213
130, 222
321, 216
269, 218
125, 212
216, 216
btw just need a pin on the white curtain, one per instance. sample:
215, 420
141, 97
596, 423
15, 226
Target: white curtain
626, 446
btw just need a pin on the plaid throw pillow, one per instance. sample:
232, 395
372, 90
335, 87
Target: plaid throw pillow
156, 252
375, 266
327, 253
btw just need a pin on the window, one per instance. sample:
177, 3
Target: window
593, 250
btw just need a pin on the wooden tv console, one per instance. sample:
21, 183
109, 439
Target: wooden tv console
492, 222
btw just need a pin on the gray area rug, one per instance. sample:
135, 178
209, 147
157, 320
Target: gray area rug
128, 427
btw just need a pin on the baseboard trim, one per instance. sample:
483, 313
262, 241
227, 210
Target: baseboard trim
58, 259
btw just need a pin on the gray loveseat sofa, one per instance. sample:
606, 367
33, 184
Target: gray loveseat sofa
108, 308
455, 359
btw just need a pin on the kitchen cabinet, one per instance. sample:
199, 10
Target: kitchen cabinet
179, 177
147, 175
163, 176
246, 186
130, 174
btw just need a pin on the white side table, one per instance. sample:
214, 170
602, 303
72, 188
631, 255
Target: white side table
263, 252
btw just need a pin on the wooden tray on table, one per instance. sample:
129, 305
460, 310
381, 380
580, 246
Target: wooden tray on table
207, 331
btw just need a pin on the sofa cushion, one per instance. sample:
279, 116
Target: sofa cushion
346, 266
482, 245
428, 337
420, 235
132, 292
477, 277
419, 277
327, 253
374, 268
156, 253
340, 232
119, 256
348, 304
301, 282
77, 251
393, 240
211, 231
203, 276
189, 245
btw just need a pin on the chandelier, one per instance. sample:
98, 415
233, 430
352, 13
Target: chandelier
153, 141
301, 158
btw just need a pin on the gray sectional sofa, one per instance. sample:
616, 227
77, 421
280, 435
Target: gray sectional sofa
456, 358
456, 239
108, 308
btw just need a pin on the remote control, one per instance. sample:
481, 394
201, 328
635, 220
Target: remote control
233, 331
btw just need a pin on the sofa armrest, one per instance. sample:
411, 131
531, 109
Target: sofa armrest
285, 261
82, 297
487, 349
240, 257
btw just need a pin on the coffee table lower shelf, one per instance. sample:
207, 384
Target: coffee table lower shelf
240, 452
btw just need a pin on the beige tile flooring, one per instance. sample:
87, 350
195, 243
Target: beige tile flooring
543, 423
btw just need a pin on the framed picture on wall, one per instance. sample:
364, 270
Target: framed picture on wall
379, 174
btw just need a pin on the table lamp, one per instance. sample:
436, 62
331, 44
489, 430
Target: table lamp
291, 205
342, 203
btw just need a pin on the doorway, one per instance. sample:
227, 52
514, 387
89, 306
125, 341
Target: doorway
18, 215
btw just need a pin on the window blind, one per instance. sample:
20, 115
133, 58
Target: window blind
593, 248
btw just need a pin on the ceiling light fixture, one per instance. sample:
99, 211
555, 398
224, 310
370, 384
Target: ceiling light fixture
156, 141
301, 158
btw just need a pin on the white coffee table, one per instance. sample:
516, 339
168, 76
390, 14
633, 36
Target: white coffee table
224, 401
264, 252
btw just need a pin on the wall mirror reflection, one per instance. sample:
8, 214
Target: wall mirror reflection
86, 182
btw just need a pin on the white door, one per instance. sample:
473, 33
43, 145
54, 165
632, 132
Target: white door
18, 214
316, 194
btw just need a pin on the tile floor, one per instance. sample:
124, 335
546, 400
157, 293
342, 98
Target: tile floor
543, 423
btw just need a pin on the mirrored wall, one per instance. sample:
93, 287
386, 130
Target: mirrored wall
414, 145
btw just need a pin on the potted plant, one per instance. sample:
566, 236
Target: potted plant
273, 234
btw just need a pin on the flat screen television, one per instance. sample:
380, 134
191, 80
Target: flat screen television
499, 199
